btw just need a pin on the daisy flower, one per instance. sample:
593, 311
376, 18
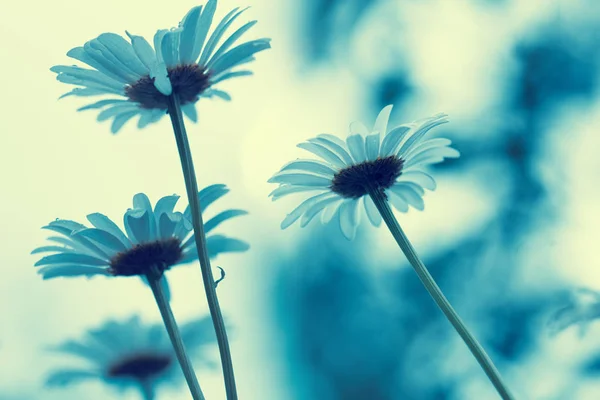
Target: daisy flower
377, 168
129, 353
154, 238
186, 61
388, 161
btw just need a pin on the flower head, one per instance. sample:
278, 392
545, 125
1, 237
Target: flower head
185, 61
390, 162
154, 238
130, 353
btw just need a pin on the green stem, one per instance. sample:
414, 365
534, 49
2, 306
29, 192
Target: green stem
147, 390
174, 109
174, 335
477, 350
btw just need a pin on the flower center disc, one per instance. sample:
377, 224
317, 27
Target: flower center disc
356, 181
140, 366
188, 82
141, 258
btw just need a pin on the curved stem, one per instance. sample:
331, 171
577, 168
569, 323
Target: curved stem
147, 390
436, 293
173, 331
189, 175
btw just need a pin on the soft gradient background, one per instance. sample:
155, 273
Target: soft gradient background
511, 230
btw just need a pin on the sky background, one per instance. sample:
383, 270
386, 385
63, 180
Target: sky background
510, 231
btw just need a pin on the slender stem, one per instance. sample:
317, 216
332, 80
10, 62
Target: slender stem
147, 390
436, 293
187, 165
174, 335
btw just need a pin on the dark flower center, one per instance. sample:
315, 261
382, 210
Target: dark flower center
356, 181
140, 366
142, 258
188, 82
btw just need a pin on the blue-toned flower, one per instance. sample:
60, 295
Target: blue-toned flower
187, 61
368, 160
154, 238
130, 353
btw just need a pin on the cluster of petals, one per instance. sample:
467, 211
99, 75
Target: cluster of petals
79, 250
406, 143
117, 64
128, 353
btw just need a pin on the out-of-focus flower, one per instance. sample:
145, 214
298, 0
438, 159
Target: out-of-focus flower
186, 61
377, 159
133, 354
582, 308
155, 238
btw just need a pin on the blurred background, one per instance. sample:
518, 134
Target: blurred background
509, 233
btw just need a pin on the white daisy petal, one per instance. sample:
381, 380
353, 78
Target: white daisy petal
65, 377
317, 207
392, 140
330, 211
372, 212
356, 145
102, 54
102, 237
323, 152
218, 244
222, 217
101, 221
372, 146
417, 188
148, 56
398, 202
218, 33
381, 122
165, 204
289, 189
431, 156
158, 39
142, 202
80, 243
53, 249
167, 222
229, 75
70, 258
418, 177
338, 147
80, 54
169, 47
358, 128
409, 195
302, 179
87, 77
187, 42
349, 218
418, 133
426, 145
314, 166
137, 225
301, 209
203, 26
57, 271
124, 52
229, 42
